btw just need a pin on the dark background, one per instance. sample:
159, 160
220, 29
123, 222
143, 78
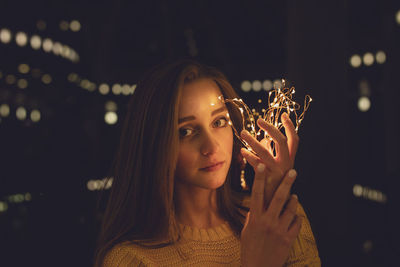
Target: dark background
346, 157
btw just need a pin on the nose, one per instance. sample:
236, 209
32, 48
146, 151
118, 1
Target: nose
209, 145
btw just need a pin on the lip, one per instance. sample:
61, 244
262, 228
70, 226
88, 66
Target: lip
213, 167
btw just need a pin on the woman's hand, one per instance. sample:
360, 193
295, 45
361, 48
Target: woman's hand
268, 233
283, 161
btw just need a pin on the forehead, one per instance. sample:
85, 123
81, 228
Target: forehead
199, 95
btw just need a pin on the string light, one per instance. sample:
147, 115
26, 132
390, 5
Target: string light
246, 86
21, 39
355, 61
280, 100
368, 59
380, 57
369, 193
5, 36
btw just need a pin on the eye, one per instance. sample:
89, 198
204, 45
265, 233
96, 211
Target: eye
221, 122
184, 132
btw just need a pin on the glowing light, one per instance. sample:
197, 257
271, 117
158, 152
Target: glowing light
75, 26
3, 206
57, 48
364, 103
36, 42
398, 17
368, 59
126, 89
246, 86
41, 25
65, 51
110, 106
10, 79
64, 25
111, 117
369, 193
355, 61
22, 83
267, 85
47, 45
21, 113
91, 87
35, 115
46, 79
4, 110
133, 88
280, 100
257, 85
5, 35
21, 39
105, 183
116, 89
73, 77
277, 84
380, 57
104, 89
23, 68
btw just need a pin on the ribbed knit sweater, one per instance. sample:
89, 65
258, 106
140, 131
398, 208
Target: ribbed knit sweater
216, 246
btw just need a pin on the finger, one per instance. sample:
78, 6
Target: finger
251, 158
280, 139
261, 151
295, 227
289, 212
280, 196
257, 192
292, 137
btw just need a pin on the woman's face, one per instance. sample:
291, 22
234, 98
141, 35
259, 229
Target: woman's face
206, 138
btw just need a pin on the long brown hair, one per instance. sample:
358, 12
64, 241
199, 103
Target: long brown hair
140, 207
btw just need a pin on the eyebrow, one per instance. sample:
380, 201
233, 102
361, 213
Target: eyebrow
190, 118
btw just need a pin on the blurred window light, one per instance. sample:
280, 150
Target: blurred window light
5, 35
75, 26
368, 59
246, 86
3, 206
21, 38
41, 25
4, 110
65, 51
10, 79
35, 115
46, 79
64, 25
21, 113
85, 84
364, 103
23, 68
277, 83
104, 89
22, 83
355, 61
47, 45
267, 85
111, 117
116, 89
110, 106
57, 48
398, 17
380, 57
36, 42
126, 89
73, 77
257, 85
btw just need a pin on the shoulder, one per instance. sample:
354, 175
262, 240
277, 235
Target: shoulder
123, 254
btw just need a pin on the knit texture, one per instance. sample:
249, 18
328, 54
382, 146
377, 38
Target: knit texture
209, 247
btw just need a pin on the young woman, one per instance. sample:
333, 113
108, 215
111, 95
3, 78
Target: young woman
176, 198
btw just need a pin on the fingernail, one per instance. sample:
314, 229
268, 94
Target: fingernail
292, 173
260, 167
285, 117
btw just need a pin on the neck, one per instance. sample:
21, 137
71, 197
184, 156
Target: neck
196, 207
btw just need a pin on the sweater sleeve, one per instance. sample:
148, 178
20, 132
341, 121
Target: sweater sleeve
304, 251
121, 256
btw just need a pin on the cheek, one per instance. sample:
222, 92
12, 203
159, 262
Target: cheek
186, 161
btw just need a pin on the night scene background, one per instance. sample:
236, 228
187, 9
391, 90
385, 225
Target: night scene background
68, 68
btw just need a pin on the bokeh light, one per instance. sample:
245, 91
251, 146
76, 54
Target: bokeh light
368, 59
246, 86
364, 103
21, 113
21, 38
355, 61
111, 117
380, 57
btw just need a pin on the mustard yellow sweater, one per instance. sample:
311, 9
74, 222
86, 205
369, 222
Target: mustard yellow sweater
209, 247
